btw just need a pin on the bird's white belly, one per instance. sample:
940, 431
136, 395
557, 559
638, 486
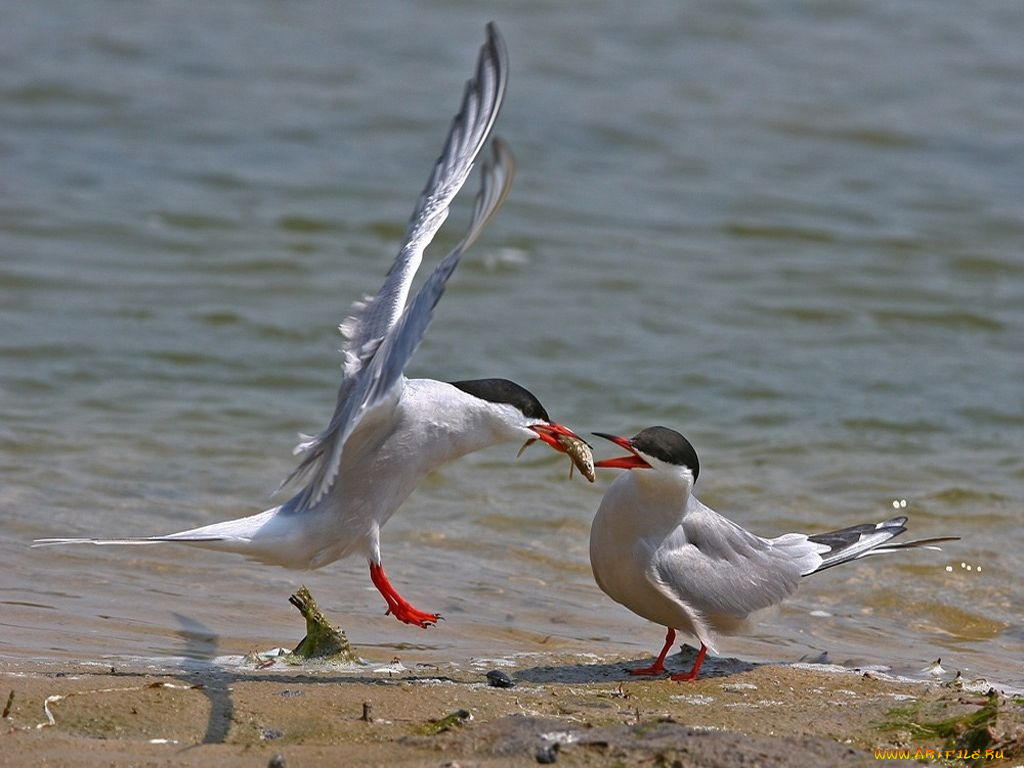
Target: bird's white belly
621, 555
631, 584
305, 542
371, 486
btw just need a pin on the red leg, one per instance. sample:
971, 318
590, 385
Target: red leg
659, 665
692, 674
398, 606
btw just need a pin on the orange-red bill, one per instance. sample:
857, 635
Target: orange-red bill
632, 461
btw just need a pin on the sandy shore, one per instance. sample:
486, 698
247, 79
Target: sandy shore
567, 709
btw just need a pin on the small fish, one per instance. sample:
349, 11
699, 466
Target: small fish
581, 455
577, 450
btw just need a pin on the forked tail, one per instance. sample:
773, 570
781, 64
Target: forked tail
859, 541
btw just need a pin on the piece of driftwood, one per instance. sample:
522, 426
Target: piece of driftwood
322, 641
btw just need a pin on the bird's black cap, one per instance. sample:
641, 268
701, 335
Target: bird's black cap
669, 446
505, 391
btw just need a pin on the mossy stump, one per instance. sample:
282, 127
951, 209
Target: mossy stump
322, 641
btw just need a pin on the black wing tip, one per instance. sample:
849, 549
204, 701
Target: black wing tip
501, 153
482, 97
496, 44
843, 538
841, 541
502, 164
493, 57
496, 52
928, 543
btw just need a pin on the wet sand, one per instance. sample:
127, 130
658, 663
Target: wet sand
564, 708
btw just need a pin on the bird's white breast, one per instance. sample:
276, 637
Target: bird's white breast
632, 522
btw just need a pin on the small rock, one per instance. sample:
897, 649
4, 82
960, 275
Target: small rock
548, 754
498, 679
277, 761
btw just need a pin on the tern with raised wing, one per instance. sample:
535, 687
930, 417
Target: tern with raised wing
388, 432
657, 550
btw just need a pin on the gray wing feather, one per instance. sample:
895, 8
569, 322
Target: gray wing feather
720, 569
724, 570
376, 319
372, 318
376, 387
390, 360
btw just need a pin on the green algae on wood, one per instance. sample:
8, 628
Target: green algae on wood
322, 641
991, 731
446, 723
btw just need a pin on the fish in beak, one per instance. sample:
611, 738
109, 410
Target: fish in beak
564, 440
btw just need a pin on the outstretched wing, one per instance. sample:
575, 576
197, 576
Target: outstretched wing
389, 362
372, 394
374, 323
371, 319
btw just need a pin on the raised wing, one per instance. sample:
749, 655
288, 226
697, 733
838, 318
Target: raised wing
372, 318
375, 321
374, 391
389, 362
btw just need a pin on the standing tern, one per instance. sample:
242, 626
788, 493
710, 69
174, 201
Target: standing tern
388, 432
656, 549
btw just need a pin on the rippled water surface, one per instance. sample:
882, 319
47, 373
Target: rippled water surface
793, 232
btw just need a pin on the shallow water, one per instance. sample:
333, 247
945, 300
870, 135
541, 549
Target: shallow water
792, 232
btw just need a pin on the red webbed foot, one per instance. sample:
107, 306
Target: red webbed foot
659, 665
654, 669
409, 615
692, 674
398, 606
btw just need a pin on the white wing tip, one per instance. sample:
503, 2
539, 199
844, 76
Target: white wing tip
305, 443
349, 327
352, 364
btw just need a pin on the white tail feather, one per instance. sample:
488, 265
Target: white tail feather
138, 540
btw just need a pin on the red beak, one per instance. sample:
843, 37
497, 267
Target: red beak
548, 432
633, 461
